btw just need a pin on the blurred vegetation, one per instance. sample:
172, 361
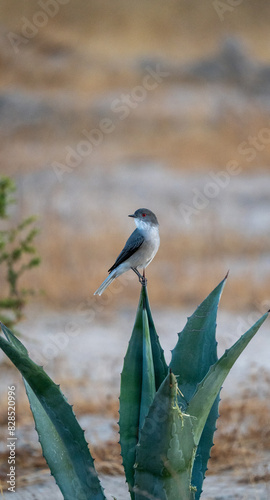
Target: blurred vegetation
17, 255
64, 80
177, 28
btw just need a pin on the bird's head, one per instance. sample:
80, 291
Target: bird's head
143, 217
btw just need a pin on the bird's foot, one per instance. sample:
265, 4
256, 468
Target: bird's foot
143, 280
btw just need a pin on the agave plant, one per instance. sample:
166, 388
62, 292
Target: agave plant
167, 413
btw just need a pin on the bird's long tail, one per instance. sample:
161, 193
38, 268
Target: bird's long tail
106, 282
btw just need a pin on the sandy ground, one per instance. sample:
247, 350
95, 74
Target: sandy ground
90, 352
219, 487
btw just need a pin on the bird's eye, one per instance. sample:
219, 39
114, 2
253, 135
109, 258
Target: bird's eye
144, 215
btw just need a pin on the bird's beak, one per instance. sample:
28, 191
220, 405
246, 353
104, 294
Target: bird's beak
132, 215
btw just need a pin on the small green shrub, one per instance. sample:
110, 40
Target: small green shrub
17, 255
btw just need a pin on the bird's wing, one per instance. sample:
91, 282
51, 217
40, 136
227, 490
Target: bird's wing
133, 243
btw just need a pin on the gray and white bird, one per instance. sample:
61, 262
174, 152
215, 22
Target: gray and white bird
139, 250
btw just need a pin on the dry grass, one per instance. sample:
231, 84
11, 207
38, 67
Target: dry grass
243, 434
144, 27
241, 441
184, 271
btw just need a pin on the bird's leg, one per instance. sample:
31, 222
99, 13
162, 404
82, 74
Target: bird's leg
137, 272
142, 278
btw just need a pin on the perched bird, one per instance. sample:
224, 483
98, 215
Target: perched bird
140, 248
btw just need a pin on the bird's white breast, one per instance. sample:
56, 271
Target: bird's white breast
150, 245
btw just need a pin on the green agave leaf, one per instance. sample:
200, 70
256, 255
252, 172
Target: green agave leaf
196, 349
14, 340
144, 366
148, 375
60, 435
160, 365
165, 452
206, 393
194, 353
203, 451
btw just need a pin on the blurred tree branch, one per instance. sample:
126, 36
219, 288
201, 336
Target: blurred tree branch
17, 255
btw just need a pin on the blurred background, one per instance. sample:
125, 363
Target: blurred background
106, 107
